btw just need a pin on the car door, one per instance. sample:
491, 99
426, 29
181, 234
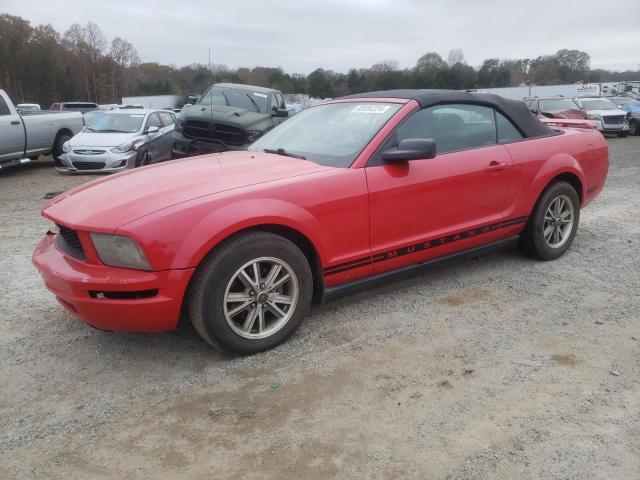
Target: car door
427, 208
168, 120
11, 133
154, 140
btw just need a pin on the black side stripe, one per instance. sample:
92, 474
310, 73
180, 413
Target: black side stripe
417, 247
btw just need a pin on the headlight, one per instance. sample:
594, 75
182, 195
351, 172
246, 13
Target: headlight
119, 251
593, 116
253, 135
66, 147
125, 147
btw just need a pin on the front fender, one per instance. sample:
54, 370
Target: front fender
232, 218
184, 237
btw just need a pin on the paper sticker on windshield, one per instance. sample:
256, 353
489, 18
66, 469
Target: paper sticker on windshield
263, 95
371, 109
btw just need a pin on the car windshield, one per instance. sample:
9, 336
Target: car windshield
599, 104
332, 134
116, 123
557, 105
235, 97
632, 107
28, 108
90, 117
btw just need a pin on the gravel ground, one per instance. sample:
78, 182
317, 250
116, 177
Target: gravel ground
499, 367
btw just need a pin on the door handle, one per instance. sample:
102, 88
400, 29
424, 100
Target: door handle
496, 166
15, 122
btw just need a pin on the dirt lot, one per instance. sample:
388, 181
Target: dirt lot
500, 367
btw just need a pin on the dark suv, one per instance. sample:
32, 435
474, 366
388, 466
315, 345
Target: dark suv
555, 107
227, 116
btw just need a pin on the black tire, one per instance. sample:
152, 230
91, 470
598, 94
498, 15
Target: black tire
532, 240
57, 147
215, 276
143, 159
623, 134
633, 128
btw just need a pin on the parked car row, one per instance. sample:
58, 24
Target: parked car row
611, 115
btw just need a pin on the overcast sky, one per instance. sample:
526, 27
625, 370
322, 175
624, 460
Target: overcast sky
301, 35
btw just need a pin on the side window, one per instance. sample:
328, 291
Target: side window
453, 127
4, 109
507, 132
167, 118
153, 121
276, 101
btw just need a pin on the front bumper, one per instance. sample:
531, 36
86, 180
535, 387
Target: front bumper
80, 287
107, 161
609, 128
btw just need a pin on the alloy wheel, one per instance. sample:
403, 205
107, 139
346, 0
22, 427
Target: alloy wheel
558, 221
261, 298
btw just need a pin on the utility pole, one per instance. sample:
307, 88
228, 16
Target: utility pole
210, 67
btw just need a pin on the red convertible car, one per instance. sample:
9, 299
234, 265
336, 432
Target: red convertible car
345, 194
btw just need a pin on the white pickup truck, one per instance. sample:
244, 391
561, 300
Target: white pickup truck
25, 136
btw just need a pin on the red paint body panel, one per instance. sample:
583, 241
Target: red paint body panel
361, 220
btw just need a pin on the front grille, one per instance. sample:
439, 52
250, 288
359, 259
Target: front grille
89, 152
89, 165
197, 129
613, 119
228, 134
68, 241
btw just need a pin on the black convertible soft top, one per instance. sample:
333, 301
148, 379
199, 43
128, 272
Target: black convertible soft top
516, 110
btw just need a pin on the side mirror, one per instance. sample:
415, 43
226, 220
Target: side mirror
192, 99
281, 112
411, 149
152, 129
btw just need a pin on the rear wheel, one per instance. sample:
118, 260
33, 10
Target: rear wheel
61, 138
251, 294
553, 224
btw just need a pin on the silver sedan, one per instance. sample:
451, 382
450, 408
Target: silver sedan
118, 140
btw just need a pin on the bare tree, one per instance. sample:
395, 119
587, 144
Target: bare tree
122, 55
96, 45
455, 56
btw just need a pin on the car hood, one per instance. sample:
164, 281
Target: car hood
574, 113
93, 139
223, 114
106, 204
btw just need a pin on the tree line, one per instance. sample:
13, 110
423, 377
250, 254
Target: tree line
40, 65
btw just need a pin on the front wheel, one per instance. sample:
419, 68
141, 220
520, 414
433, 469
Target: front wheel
250, 294
623, 134
60, 140
553, 224
633, 128
143, 159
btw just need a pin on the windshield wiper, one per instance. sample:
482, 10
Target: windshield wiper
254, 102
111, 131
284, 153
